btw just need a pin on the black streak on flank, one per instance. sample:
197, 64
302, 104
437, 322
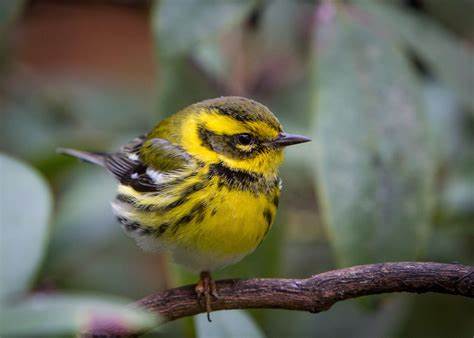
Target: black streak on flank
193, 188
161, 229
196, 211
200, 218
276, 200
132, 226
132, 201
145, 230
268, 216
183, 220
185, 196
177, 203
126, 199
199, 207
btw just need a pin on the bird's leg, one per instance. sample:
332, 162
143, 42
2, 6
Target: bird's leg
205, 288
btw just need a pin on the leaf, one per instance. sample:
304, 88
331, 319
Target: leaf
180, 85
453, 15
229, 324
458, 197
84, 217
25, 211
9, 10
444, 117
373, 159
450, 58
179, 26
66, 314
182, 27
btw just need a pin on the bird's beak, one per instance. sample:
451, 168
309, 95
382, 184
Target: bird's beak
285, 139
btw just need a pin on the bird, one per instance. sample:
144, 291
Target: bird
203, 184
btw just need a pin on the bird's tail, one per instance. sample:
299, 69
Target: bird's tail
91, 157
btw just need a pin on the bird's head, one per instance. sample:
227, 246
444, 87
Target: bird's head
240, 133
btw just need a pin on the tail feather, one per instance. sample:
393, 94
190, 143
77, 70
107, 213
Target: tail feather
91, 157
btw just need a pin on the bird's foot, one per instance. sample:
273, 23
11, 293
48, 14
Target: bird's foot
205, 288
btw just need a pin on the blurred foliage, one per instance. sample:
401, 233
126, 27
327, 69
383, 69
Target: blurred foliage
230, 324
383, 87
376, 191
9, 10
31, 226
62, 314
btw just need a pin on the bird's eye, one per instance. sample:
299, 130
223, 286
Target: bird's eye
244, 139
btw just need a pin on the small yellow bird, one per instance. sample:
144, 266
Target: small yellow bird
202, 184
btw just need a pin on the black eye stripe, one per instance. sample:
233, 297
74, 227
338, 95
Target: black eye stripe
228, 144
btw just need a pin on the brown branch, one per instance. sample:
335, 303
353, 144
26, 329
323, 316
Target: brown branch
319, 292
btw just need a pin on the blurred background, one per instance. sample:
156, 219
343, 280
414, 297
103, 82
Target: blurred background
384, 88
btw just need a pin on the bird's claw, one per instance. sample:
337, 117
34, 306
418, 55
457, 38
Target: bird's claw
205, 288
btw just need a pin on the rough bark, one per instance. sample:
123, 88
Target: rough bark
319, 292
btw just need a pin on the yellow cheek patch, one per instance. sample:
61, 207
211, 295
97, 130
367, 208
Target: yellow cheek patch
264, 163
192, 143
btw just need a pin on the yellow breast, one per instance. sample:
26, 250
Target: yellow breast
207, 223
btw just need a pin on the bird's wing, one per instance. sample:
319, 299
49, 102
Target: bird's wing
146, 164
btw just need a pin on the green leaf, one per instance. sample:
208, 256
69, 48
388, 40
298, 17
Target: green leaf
25, 210
84, 217
229, 324
180, 85
445, 117
373, 154
453, 15
181, 25
450, 58
63, 314
9, 10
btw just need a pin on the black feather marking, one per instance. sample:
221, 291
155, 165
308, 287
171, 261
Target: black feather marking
120, 165
198, 208
130, 172
276, 200
161, 229
193, 188
183, 220
177, 203
126, 199
196, 211
133, 226
241, 180
184, 197
268, 216
227, 144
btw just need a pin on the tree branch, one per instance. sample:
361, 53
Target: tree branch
319, 292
